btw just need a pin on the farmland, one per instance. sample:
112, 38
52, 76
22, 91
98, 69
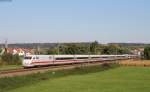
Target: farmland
145, 63
121, 79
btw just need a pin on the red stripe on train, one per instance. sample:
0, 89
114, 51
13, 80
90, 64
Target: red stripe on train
43, 62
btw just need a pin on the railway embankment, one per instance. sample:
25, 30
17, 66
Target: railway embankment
10, 83
22, 71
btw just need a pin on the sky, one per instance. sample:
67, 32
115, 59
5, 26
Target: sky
23, 21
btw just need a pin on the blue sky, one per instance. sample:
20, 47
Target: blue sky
75, 21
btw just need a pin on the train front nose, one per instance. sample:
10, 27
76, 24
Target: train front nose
26, 63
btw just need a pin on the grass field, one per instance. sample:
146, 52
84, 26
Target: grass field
9, 67
11, 83
122, 79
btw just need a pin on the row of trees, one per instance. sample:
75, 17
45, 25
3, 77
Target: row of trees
9, 59
146, 54
89, 48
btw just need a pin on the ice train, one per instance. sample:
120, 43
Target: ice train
39, 60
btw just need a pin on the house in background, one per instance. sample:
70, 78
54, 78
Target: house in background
138, 51
20, 51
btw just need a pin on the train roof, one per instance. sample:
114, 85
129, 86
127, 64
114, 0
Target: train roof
79, 55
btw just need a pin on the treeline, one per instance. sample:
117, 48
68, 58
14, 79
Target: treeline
89, 48
131, 45
52, 45
35, 45
10, 59
146, 54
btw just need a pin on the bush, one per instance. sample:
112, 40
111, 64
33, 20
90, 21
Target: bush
8, 58
147, 53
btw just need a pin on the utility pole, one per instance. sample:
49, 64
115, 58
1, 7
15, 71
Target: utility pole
6, 45
89, 52
38, 49
116, 54
58, 49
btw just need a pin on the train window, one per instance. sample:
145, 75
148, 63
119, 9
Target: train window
37, 57
82, 57
95, 57
67, 58
33, 57
27, 57
105, 57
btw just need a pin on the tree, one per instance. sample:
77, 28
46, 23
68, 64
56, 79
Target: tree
8, 58
114, 49
53, 51
147, 53
93, 47
71, 49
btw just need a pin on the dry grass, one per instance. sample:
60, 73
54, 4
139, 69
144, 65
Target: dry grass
135, 63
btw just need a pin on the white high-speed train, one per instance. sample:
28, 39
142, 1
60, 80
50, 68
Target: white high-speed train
39, 60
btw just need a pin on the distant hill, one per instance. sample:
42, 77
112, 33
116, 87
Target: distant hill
51, 45
142, 45
35, 45
30, 45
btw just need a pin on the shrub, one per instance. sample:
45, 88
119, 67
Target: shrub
147, 53
8, 58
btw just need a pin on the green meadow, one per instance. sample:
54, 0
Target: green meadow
9, 67
118, 79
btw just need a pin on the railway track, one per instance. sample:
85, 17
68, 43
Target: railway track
25, 71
